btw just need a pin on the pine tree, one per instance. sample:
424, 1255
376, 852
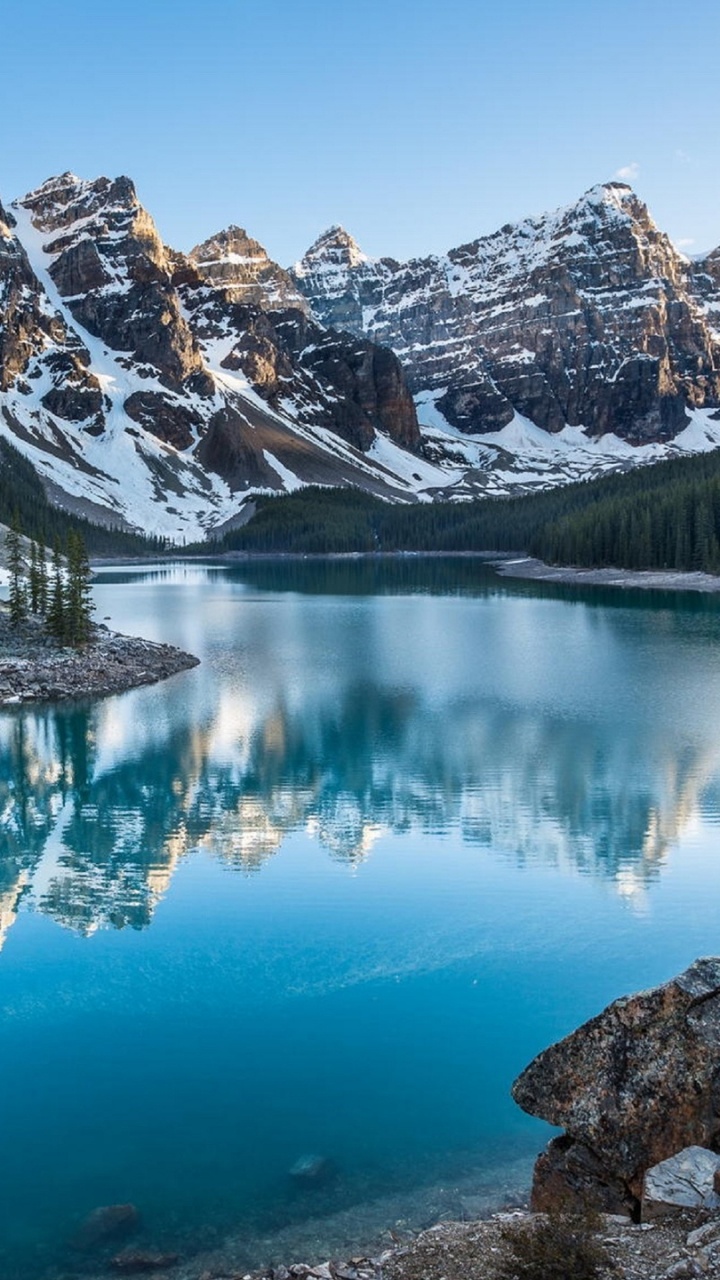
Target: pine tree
34, 579
55, 616
78, 596
18, 591
43, 585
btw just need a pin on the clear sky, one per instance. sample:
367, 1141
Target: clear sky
417, 124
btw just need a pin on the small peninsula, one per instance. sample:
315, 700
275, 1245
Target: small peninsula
36, 668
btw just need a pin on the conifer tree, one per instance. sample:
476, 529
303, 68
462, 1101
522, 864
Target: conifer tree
43, 585
18, 591
34, 579
78, 596
55, 617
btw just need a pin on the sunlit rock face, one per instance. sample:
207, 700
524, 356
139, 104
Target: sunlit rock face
234, 262
151, 388
110, 265
632, 1087
584, 317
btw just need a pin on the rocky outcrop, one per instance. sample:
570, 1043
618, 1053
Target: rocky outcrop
316, 376
632, 1087
587, 316
234, 262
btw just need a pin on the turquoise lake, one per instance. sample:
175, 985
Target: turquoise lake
329, 892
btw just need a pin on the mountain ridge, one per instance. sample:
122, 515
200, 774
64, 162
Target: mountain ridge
519, 321
161, 390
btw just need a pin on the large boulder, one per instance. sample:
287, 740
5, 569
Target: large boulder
631, 1087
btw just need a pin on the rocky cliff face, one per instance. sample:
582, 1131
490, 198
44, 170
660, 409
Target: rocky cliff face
35, 344
584, 317
705, 284
250, 318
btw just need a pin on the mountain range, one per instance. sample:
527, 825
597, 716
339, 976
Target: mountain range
161, 391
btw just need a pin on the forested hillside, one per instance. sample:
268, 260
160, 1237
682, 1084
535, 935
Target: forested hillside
664, 516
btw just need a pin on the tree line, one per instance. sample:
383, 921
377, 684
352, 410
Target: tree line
56, 590
664, 516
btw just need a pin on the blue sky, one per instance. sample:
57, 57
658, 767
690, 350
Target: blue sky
418, 125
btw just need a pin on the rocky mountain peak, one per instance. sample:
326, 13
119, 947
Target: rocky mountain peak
233, 261
335, 247
132, 374
233, 242
103, 253
578, 317
103, 211
66, 199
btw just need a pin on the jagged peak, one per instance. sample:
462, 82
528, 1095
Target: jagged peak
230, 244
333, 245
612, 191
66, 198
614, 197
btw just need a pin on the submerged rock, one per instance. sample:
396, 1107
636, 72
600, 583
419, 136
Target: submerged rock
312, 1170
105, 1224
631, 1087
140, 1261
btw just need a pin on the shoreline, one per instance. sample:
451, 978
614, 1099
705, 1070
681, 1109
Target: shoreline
678, 1245
507, 564
34, 670
532, 570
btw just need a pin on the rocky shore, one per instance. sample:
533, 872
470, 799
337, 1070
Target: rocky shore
34, 668
477, 1251
649, 579
681, 1248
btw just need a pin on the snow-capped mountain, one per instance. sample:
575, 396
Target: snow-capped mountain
161, 390
138, 381
584, 317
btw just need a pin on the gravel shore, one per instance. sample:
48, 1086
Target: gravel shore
650, 579
33, 668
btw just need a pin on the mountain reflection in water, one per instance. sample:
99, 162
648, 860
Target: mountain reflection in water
96, 847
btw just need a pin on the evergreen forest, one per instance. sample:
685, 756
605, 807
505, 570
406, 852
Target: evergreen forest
664, 516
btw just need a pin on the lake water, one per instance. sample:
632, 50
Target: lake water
330, 891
